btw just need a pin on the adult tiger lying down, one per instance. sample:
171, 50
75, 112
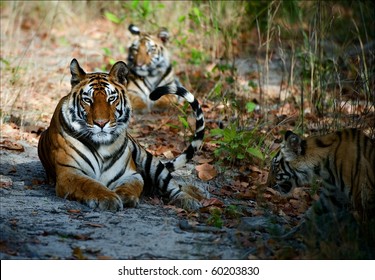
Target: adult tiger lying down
92, 158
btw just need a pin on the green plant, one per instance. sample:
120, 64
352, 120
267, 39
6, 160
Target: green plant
232, 212
143, 11
113, 18
215, 218
197, 57
236, 145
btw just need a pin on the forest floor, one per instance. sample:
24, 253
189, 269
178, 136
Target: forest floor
243, 219
36, 224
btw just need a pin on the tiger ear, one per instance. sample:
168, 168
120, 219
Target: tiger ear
119, 72
293, 142
134, 29
163, 35
77, 73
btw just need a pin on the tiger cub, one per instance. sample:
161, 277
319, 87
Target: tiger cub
343, 160
150, 66
92, 158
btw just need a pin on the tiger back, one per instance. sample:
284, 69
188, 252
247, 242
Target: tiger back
91, 157
150, 66
343, 160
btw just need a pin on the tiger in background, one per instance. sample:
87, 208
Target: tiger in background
341, 223
343, 160
150, 66
92, 158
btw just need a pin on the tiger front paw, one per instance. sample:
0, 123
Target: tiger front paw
111, 202
186, 202
189, 198
130, 193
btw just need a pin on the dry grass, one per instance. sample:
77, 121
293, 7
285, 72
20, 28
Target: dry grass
288, 54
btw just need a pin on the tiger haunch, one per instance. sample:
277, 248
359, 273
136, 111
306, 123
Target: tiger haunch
88, 153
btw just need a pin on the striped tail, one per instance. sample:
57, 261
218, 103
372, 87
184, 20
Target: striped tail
197, 141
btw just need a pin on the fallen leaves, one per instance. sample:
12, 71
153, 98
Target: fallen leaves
206, 171
11, 145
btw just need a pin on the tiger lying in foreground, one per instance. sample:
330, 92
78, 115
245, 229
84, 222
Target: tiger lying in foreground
344, 160
150, 66
92, 158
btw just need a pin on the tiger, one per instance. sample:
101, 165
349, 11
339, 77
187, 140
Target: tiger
89, 154
150, 66
343, 160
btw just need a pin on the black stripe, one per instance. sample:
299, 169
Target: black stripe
331, 180
159, 92
170, 166
74, 167
158, 171
140, 79
116, 156
147, 166
165, 184
119, 173
303, 146
167, 72
84, 157
320, 144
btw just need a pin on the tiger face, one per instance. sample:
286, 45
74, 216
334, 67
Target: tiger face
98, 108
147, 53
282, 176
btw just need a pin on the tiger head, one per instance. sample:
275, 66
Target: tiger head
283, 176
148, 55
97, 109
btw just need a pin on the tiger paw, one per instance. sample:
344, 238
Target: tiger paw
186, 202
130, 194
111, 202
190, 196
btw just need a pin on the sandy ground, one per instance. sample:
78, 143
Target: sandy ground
36, 224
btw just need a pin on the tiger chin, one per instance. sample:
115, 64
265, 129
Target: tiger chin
343, 160
150, 66
92, 159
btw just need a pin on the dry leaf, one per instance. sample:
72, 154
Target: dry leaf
206, 171
74, 211
202, 159
168, 154
212, 202
10, 145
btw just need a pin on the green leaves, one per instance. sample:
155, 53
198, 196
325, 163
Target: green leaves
236, 144
250, 107
113, 18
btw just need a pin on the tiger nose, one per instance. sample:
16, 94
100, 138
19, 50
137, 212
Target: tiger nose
101, 122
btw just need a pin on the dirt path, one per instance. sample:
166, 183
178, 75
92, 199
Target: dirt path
35, 224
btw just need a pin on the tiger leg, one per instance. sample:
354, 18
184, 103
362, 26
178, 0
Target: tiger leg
165, 102
138, 104
131, 191
81, 188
